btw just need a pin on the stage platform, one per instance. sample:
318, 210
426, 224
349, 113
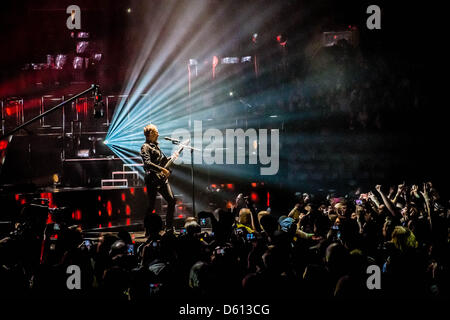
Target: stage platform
96, 210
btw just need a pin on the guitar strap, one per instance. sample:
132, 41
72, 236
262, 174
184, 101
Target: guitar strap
157, 150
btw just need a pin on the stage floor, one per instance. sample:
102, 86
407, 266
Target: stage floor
96, 210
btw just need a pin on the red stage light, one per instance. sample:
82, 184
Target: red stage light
3, 144
123, 197
254, 184
109, 208
132, 191
127, 210
99, 213
17, 197
76, 215
254, 197
99, 198
268, 199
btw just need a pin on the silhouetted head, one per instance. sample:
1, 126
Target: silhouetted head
269, 223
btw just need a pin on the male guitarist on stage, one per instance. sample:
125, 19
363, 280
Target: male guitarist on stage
156, 175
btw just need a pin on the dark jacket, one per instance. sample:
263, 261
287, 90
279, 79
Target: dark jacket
152, 157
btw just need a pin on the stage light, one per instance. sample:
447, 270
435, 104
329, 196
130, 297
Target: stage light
82, 46
97, 56
281, 40
254, 37
78, 63
98, 105
129, 10
230, 60
105, 142
231, 93
60, 61
83, 35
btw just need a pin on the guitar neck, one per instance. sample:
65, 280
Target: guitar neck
172, 158
169, 163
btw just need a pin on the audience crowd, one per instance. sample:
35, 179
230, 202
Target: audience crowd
320, 249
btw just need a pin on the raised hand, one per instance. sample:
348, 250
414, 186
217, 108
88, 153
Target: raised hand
424, 193
391, 191
415, 190
378, 188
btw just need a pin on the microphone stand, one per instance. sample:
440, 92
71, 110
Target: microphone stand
192, 171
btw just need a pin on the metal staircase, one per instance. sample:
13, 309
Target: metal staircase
128, 177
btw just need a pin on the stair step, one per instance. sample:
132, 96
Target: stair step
124, 173
112, 183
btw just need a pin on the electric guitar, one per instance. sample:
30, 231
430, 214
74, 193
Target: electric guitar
160, 177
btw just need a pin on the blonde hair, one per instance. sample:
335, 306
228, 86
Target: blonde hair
245, 217
403, 238
261, 214
149, 129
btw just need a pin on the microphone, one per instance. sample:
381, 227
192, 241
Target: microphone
172, 140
